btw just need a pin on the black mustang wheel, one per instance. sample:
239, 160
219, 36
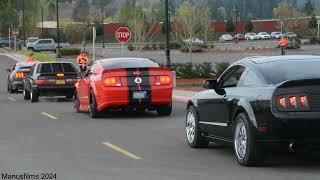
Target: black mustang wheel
26, 94
193, 133
246, 150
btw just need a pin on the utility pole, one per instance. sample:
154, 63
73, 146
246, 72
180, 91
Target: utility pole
168, 61
236, 19
41, 21
58, 30
23, 22
241, 16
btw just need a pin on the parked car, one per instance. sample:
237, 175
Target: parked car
45, 45
16, 75
226, 37
276, 35
50, 79
124, 83
31, 40
4, 42
290, 35
264, 35
239, 37
250, 36
258, 105
194, 41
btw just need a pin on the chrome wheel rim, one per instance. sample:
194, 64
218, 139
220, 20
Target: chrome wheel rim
31, 95
241, 138
24, 93
190, 127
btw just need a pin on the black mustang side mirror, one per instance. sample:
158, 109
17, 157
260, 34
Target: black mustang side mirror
210, 84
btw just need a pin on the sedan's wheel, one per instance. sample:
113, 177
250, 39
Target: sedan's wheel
26, 94
193, 132
247, 152
94, 113
34, 96
2, 45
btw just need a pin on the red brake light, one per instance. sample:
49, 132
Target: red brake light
293, 103
112, 82
163, 80
19, 75
282, 102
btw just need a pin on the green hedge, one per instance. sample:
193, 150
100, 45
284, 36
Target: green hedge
314, 40
70, 51
39, 56
199, 70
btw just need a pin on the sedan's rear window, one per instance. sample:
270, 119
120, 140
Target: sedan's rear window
57, 68
280, 71
128, 63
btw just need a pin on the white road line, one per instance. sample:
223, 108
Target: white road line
12, 99
49, 115
124, 152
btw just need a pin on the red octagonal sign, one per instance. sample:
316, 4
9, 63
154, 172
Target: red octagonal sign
123, 35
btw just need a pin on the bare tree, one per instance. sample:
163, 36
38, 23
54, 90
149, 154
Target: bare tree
288, 16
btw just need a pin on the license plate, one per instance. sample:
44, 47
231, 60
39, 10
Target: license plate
60, 82
139, 95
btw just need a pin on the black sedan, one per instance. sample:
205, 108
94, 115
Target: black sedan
16, 75
259, 104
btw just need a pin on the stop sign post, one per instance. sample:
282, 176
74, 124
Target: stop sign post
123, 35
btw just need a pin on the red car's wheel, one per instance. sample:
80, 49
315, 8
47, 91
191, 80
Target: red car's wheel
77, 103
94, 113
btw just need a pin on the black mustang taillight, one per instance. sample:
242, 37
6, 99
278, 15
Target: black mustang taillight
294, 102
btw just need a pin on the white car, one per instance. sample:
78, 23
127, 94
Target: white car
194, 41
251, 36
264, 35
31, 40
45, 45
276, 35
226, 37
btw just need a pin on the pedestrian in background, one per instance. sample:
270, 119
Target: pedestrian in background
30, 59
283, 44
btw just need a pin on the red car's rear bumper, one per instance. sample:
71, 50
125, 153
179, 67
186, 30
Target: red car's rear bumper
121, 97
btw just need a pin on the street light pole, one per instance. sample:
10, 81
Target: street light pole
168, 61
58, 29
236, 20
23, 22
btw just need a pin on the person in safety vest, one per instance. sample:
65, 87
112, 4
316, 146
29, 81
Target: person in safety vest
283, 44
30, 59
82, 60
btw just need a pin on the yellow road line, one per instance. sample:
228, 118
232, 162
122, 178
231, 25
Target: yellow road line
124, 152
12, 99
49, 115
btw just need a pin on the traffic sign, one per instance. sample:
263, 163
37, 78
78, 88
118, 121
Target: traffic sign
123, 34
15, 32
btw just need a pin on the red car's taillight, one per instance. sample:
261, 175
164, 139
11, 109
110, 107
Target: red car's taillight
163, 80
112, 82
293, 103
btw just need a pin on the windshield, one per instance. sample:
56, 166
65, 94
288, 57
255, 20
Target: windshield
290, 70
128, 63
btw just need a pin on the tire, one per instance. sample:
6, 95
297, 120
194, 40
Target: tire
26, 94
94, 113
2, 45
34, 96
77, 103
9, 88
244, 137
69, 96
164, 110
193, 132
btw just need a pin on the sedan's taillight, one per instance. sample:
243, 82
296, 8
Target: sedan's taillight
112, 82
163, 80
19, 75
296, 102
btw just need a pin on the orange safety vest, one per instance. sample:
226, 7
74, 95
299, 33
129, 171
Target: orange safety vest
283, 42
30, 60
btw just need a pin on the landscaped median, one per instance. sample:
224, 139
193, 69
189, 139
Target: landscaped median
38, 56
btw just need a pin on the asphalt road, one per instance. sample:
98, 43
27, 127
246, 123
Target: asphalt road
49, 137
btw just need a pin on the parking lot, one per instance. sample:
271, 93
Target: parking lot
49, 137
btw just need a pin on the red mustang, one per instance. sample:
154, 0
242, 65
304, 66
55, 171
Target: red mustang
124, 83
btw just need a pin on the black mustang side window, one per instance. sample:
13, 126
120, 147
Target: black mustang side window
233, 79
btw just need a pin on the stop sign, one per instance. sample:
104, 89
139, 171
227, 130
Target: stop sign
123, 35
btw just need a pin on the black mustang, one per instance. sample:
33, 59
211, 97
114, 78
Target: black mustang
259, 103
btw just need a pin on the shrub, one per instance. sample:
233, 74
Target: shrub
154, 47
194, 49
314, 40
162, 46
202, 46
220, 68
175, 45
70, 51
294, 43
146, 47
130, 47
194, 70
